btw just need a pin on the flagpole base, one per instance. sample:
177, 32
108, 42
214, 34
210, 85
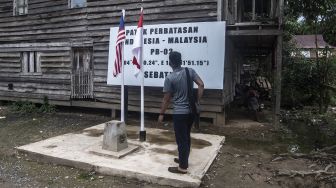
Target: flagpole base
142, 136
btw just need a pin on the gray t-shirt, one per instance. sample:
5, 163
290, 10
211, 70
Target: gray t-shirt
176, 84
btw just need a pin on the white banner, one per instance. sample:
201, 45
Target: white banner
201, 44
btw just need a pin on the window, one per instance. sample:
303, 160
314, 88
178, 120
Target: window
305, 53
82, 59
81, 75
324, 52
77, 3
20, 7
30, 62
255, 10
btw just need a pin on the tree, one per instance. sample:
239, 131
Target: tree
318, 15
329, 27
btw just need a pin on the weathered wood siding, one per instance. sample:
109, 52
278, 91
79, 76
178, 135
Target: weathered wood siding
54, 81
100, 19
53, 29
48, 28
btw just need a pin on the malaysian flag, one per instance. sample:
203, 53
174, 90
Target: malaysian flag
119, 46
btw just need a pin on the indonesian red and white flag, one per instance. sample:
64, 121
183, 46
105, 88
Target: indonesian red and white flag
137, 46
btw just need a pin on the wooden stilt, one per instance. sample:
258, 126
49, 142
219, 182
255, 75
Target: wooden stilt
113, 114
277, 82
220, 119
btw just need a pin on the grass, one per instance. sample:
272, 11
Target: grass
27, 107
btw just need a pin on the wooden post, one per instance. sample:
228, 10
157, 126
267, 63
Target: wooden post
220, 119
277, 82
281, 12
113, 113
236, 11
253, 10
272, 9
220, 10
226, 10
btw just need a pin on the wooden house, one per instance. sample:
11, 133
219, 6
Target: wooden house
59, 48
306, 46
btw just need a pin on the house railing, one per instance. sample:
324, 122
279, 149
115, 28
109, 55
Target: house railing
81, 84
234, 12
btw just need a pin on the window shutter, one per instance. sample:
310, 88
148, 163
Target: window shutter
24, 62
38, 62
31, 61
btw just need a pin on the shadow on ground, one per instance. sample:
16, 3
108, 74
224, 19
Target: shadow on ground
245, 160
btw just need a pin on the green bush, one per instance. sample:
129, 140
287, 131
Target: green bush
24, 107
306, 82
298, 83
27, 107
46, 107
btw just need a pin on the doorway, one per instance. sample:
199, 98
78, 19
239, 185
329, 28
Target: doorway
82, 73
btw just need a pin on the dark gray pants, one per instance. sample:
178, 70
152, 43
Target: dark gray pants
182, 127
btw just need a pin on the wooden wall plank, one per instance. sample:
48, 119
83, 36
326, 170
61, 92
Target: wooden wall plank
52, 29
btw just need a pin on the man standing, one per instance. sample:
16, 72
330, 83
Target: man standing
176, 87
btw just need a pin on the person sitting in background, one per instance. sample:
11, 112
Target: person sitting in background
253, 102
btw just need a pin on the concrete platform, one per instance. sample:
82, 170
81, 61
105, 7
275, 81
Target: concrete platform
148, 163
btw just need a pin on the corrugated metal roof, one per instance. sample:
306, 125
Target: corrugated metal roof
308, 41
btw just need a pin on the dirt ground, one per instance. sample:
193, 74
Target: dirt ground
245, 160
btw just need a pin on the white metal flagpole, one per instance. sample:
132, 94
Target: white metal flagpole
122, 107
142, 127
142, 95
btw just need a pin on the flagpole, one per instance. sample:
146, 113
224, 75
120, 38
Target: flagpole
142, 125
122, 115
142, 97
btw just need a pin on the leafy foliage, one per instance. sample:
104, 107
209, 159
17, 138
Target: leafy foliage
27, 107
46, 107
317, 17
312, 10
303, 80
329, 28
312, 129
24, 107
